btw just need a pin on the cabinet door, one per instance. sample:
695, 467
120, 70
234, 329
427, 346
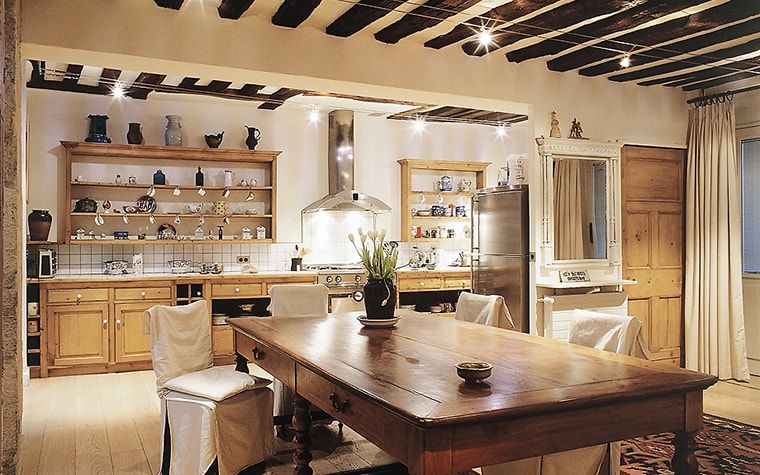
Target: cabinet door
79, 334
131, 344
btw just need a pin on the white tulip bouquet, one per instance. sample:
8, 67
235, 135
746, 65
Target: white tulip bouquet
378, 259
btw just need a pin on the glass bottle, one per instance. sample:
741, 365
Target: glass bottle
159, 178
199, 177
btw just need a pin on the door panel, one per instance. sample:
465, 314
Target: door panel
653, 197
131, 344
79, 334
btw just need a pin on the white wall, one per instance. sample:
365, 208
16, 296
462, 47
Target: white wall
302, 166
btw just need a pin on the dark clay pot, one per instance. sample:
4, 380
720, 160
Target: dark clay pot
134, 134
39, 224
376, 293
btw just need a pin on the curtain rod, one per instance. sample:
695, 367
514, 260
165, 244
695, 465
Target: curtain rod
722, 94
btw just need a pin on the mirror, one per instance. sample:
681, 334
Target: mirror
580, 208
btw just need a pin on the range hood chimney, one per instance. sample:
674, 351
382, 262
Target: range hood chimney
340, 171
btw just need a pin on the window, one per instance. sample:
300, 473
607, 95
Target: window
750, 163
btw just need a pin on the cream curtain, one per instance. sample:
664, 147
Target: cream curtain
714, 317
568, 212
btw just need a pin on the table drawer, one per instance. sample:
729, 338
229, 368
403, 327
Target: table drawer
456, 283
236, 290
420, 284
148, 293
267, 358
77, 295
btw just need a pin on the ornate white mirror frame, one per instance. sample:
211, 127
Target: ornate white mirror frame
556, 148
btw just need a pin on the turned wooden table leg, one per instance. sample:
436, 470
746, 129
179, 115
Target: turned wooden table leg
302, 439
241, 364
684, 461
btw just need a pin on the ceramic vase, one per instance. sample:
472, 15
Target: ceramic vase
97, 131
380, 298
39, 224
173, 134
254, 135
134, 134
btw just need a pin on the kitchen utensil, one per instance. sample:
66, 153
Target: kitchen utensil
424, 212
436, 308
99, 220
125, 218
177, 220
250, 197
226, 192
176, 191
221, 207
159, 178
180, 266
252, 140
261, 232
201, 191
195, 207
118, 180
474, 372
146, 204
438, 210
214, 140
247, 234
85, 205
243, 182
152, 219
129, 209
121, 235
464, 185
151, 191
228, 177
80, 233
378, 322
211, 267
166, 231
114, 267
132, 180
444, 183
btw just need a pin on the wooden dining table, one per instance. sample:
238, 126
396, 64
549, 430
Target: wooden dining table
398, 388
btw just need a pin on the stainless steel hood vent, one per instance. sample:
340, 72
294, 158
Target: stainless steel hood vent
340, 168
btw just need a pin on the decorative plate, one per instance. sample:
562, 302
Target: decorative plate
378, 322
146, 204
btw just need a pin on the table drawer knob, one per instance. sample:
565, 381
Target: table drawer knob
258, 354
142, 294
79, 296
422, 284
237, 289
338, 405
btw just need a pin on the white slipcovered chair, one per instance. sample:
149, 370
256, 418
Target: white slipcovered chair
294, 301
210, 416
489, 310
615, 333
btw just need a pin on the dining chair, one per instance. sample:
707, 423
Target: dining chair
615, 333
294, 301
489, 310
214, 419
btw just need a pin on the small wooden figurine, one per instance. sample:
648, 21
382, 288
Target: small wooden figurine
555, 132
575, 130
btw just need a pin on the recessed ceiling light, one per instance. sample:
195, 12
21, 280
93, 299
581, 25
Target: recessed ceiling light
485, 37
117, 90
419, 124
501, 130
314, 115
625, 61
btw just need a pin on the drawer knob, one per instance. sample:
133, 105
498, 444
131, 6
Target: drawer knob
79, 296
237, 289
142, 294
258, 354
337, 404
105, 323
422, 284
118, 324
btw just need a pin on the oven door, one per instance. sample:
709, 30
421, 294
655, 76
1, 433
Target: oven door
347, 302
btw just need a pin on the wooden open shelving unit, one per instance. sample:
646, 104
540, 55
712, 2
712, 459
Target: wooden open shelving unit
476, 171
143, 160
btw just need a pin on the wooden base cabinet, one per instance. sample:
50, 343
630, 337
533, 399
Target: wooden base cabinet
78, 333
132, 344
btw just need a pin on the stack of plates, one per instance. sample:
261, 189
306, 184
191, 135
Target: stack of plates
218, 319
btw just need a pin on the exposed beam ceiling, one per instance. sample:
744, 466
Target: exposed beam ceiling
294, 12
360, 15
173, 4
233, 9
428, 14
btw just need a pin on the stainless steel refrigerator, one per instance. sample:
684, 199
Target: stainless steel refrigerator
501, 256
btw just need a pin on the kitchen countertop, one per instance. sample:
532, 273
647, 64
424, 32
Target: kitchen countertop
441, 269
170, 276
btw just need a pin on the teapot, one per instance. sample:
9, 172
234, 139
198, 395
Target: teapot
254, 135
464, 185
214, 140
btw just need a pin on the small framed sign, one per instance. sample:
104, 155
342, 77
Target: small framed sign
574, 276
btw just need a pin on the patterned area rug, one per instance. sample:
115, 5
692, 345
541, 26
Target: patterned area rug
723, 447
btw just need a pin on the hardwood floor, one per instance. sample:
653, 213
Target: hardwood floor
110, 423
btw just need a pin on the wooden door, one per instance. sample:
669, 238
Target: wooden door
78, 334
653, 236
131, 344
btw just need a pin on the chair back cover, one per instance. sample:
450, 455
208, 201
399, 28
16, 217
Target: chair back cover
489, 310
604, 331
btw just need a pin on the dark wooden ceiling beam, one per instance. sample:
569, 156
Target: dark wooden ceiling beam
38, 81
492, 18
712, 38
427, 15
109, 77
73, 71
555, 19
143, 85
294, 12
377, 100
278, 98
621, 21
250, 89
696, 60
704, 20
360, 15
218, 86
173, 4
722, 80
233, 9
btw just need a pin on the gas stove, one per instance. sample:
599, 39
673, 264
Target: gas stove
339, 278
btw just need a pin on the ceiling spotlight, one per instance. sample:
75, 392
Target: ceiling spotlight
419, 124
501, 130
485, 37
314, 115
625, 61
117, 90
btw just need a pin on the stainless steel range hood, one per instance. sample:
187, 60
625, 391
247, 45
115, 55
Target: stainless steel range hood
340, 168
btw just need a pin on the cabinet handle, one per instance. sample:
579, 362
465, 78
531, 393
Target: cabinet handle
79, 297
118, 324
105, 323
258, 354
237, 289
338, 405
422, 284
142, 294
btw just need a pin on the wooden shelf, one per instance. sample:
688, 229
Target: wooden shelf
146, 186
413, 240
444, 193
161, 152
443, 218
171, 215
170, 242
41, 243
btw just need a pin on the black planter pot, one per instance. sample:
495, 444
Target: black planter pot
39, 224
380, 298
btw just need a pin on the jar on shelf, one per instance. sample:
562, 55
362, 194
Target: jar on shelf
261, 232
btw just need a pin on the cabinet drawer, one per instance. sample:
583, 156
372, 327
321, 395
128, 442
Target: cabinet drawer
456, 283
420, 284
235, 290
267, 358
77, 295
148, 293
222, 340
